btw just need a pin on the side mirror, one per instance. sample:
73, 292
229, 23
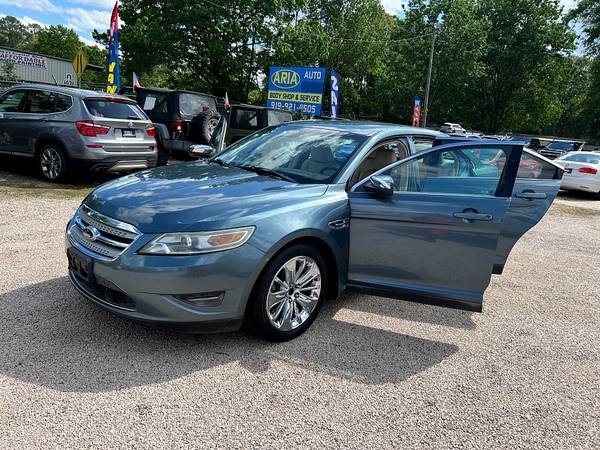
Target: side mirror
380, 185
201, 151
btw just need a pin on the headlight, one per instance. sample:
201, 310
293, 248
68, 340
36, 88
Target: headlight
196, 243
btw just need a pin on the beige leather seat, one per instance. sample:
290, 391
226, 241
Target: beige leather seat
320, 161
378, 159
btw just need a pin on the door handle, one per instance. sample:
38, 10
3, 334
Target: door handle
530, 195
471, 216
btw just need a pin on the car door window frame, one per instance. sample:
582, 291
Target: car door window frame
505, 186
27, 92
400, 138
20, 106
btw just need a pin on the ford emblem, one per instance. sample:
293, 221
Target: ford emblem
90, 233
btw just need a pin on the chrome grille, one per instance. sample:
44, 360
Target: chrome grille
101, 236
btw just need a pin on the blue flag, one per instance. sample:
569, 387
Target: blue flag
114, 81
335, 92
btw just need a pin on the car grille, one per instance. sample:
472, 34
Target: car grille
100, 236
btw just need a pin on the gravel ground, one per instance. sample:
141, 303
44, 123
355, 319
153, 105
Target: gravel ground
370, 373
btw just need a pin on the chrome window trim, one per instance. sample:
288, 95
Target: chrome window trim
39, 89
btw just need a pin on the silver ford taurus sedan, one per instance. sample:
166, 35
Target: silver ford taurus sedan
269, 228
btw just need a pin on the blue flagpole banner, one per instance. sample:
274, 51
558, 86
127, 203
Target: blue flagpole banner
114, 81
335, 93
297, 89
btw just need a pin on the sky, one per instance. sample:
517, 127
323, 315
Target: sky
86, 15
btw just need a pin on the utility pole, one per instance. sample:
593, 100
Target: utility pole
436, 27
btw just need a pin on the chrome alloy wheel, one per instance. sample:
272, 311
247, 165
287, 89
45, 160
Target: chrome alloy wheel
51, 163
294, 293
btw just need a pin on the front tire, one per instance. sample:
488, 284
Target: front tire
52, 163
289, 294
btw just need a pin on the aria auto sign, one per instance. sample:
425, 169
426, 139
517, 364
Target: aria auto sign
296, 89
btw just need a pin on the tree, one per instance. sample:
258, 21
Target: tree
56, 40
588, 14
14, 33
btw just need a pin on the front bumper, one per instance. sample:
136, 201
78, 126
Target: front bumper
149, 288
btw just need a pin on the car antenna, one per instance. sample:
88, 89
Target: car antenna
55, 82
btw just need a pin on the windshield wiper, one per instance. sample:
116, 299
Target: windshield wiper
268, 172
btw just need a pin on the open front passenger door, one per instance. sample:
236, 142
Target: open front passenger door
432, 235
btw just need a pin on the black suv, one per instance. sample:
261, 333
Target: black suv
181, 118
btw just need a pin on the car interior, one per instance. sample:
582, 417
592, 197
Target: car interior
378, 158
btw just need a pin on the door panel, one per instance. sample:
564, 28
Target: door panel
536, 187
413, 244
435, 239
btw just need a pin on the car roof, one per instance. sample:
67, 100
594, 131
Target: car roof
167, 91
83, 93
363, 127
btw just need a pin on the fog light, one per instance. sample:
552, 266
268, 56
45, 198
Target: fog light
203, 299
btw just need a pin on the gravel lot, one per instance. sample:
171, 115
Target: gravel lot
370, 373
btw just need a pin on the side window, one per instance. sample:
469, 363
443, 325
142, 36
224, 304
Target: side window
422, 143
245, 119
381, 156
10, 101
63, 102
39, 102
155, 102
532, 167
466, 171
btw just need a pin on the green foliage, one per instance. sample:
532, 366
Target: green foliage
14, 33
499, 65
8, 71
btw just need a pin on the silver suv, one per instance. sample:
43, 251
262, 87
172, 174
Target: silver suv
66, 129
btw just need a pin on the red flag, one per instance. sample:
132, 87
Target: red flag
114, 22
226, 102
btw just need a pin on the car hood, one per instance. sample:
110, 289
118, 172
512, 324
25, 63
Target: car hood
197, 196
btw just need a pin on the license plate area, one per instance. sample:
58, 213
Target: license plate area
128, 133
81, 265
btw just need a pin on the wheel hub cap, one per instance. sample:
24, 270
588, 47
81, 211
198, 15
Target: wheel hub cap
51, 163
294, 293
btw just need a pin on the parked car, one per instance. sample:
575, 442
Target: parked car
582, 171
531, 142
452, 128
65, 129
182, 118
301, 212
246, 119
559, 148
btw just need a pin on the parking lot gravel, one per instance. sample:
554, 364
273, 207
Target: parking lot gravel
370, 373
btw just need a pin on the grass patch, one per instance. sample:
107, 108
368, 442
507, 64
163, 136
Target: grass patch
53, 192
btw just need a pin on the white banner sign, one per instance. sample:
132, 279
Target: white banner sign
23, 59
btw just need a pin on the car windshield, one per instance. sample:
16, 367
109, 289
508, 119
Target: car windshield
303, 153
565, 146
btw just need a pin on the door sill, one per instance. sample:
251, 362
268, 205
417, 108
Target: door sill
413, 296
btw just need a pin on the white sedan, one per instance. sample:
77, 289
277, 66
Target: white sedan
582, 171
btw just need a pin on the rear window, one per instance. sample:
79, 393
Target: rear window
245, 119
277, 117
192, 104
114, 109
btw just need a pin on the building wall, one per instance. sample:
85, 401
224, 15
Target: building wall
35, 68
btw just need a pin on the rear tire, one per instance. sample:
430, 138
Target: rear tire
52, 163
203, 125
289, 294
